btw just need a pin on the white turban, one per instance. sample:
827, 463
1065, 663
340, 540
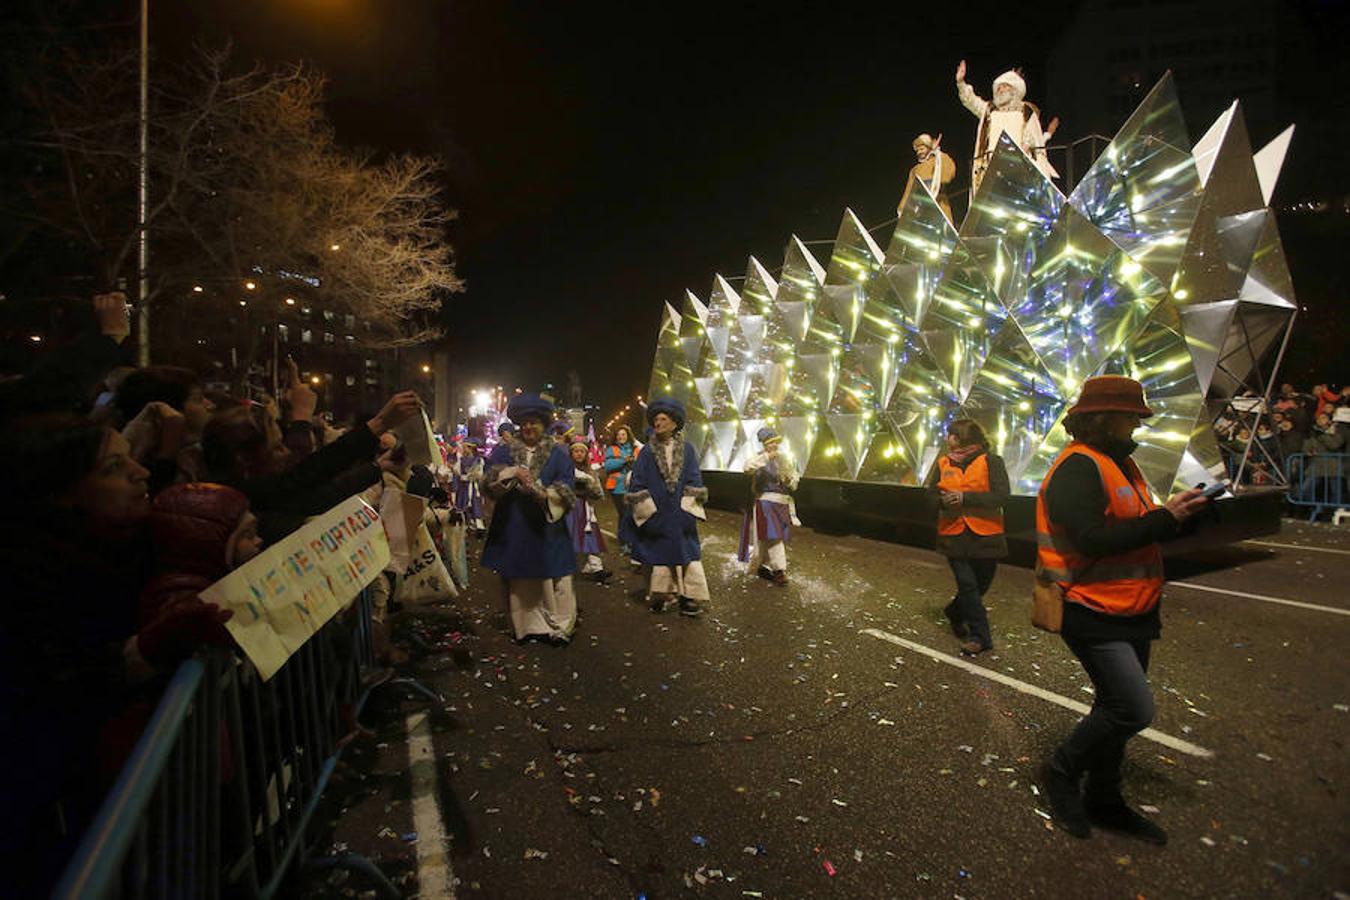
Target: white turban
1014, 81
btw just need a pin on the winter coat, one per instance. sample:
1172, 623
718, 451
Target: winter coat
670, 536
618, 463
524, 539
320, 481
70, 606
193, 527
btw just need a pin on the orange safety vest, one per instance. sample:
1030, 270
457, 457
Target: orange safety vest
974, 478
1127, 584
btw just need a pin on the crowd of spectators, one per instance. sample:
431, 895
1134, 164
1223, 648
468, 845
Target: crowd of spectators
1311, 423
129, 490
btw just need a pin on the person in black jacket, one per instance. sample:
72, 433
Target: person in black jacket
243, 449
1098, 535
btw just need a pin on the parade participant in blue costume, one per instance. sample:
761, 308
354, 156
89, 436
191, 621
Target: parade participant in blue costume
768, 522
581, 521
530, 477
466, 477
666, 496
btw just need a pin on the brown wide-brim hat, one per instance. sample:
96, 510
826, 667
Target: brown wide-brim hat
1111, 393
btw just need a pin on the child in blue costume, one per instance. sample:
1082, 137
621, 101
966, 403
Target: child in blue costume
587, 539
530, 476
666, 496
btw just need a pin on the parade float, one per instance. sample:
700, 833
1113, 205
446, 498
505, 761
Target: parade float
1163, 263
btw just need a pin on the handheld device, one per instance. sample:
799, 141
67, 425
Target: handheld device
1214, 490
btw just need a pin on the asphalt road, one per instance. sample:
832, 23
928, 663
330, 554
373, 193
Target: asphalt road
785, 745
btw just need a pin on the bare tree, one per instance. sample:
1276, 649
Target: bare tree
248, 184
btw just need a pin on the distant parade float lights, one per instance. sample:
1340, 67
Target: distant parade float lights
1164, 264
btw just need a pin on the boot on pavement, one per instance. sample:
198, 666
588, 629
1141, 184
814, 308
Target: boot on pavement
690, 607
765, 572
1066, 801
779, 578
1119, 817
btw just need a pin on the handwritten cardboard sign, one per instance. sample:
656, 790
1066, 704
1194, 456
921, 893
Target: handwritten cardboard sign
286, 593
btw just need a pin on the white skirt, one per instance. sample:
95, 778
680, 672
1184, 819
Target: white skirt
542, 606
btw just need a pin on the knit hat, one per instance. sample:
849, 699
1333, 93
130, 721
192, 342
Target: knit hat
1111, 393
523, 406
578, 442
669, 406
505, 428
767, 434
925, 140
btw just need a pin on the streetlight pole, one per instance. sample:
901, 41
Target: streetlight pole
143, 202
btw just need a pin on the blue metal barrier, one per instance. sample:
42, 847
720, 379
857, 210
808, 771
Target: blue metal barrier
1317, 481
221, 786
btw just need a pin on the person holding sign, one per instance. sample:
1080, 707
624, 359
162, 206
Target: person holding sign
530, 476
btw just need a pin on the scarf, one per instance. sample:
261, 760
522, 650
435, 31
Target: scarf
963, 455
672, 469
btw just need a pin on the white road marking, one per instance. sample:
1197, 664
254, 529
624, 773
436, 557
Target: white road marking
1280, 600
1299, 547
1050, 696
435, 880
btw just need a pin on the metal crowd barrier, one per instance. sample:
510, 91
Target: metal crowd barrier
1318, 481
221, 786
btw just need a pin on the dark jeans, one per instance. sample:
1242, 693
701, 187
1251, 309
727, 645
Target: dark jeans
973, 577
1123, 708
620, 507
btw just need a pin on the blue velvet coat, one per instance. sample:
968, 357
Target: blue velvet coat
521, 542
670, 537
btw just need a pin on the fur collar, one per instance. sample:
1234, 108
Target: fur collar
672, 470
542, 451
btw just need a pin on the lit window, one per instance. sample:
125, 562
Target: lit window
329, 338
351, 381
306, 336
328, 315
351, 341
284, 333
349, 320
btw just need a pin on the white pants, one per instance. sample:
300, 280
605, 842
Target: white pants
543, 606
687, 580
772, 555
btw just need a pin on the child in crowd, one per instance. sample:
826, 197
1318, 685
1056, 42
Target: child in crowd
587, 539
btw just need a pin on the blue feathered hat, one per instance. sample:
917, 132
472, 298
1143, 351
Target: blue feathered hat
767, 434
669, 406
526, 406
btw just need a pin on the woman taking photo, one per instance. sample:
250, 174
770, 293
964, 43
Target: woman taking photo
972, 486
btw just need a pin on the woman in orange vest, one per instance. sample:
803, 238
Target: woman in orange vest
972, 486
1098, 533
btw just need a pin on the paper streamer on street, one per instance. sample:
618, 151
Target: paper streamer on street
285, 594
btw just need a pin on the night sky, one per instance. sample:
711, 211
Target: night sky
604, 156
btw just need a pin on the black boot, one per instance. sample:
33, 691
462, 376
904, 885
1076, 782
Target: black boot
1106, 807
1066, 802
1120, 817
